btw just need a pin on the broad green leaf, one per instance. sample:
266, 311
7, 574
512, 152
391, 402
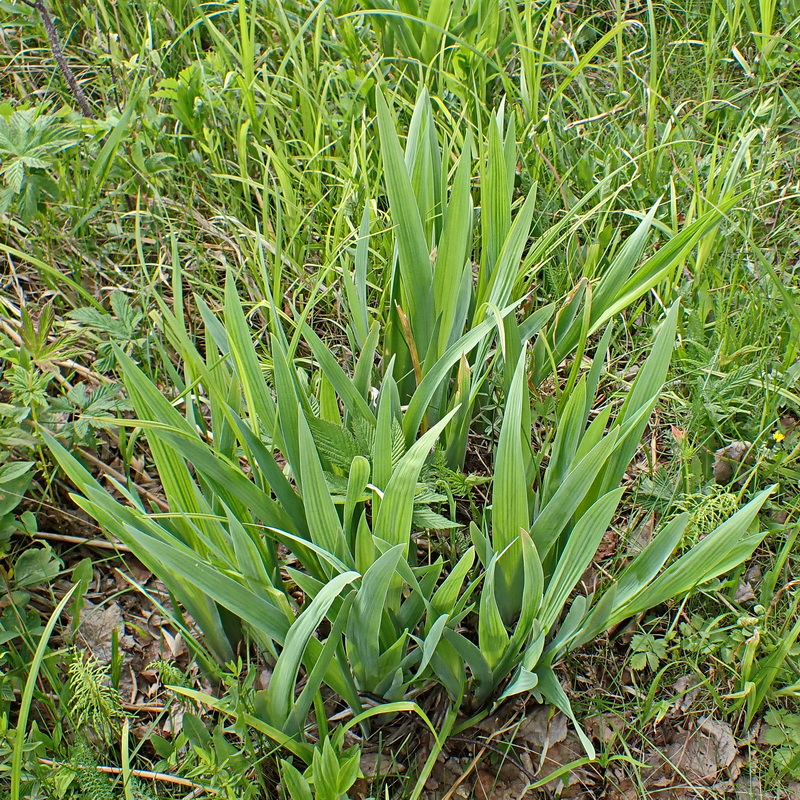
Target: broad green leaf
382, 445
323, 521
552, 691
642, 398
429, 384
645, 566
448, 667
362, 374
431, 641
354, 403
228, 592
578, 552
721, 550
510, 513
251, 556
356, 485
495, 204
272, 474
524, 681
533, 587
288, 414
364, 625
660, 263
438, 14
295, 785
299, 546
482, 544
423, 163
507, 270
452, 259
356, 286
229, 480
444, 600
393, 523
260, 405
622, 266
302, 750
492, 636
417, 602
555, 516
413, 252
530, 326
570, 427
280, 694
150, 404
478, 664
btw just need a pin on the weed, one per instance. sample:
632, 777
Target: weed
94, 702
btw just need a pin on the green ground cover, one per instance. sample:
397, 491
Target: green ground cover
399, 400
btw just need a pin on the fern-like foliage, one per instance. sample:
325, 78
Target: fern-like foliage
94, 784
335, 443
168, 673
94, 702
707, 510
339, 445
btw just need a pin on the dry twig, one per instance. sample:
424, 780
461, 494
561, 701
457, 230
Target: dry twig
55, 46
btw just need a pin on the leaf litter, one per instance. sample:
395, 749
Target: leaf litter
685, 756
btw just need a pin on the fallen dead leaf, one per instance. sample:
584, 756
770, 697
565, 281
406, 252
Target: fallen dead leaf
604, 727
377, 764
749, 787
572, 784
703, 754
641, 536
722, 735
97, 626
175, 643
173, 723
686, 694
727, 460
487, 786
541, 729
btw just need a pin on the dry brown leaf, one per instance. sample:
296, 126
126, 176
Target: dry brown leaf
573, 783
686, 694
701, 755
541, 729
138, 570
173, 723
376, 764
746, 589
175, 643
641, 536
97, 626
749, 787
722, 735
604, 727
727, 460
487, 786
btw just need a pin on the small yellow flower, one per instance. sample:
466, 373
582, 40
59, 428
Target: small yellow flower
778, 436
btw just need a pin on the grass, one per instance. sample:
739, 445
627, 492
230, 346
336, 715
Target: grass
245, 229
